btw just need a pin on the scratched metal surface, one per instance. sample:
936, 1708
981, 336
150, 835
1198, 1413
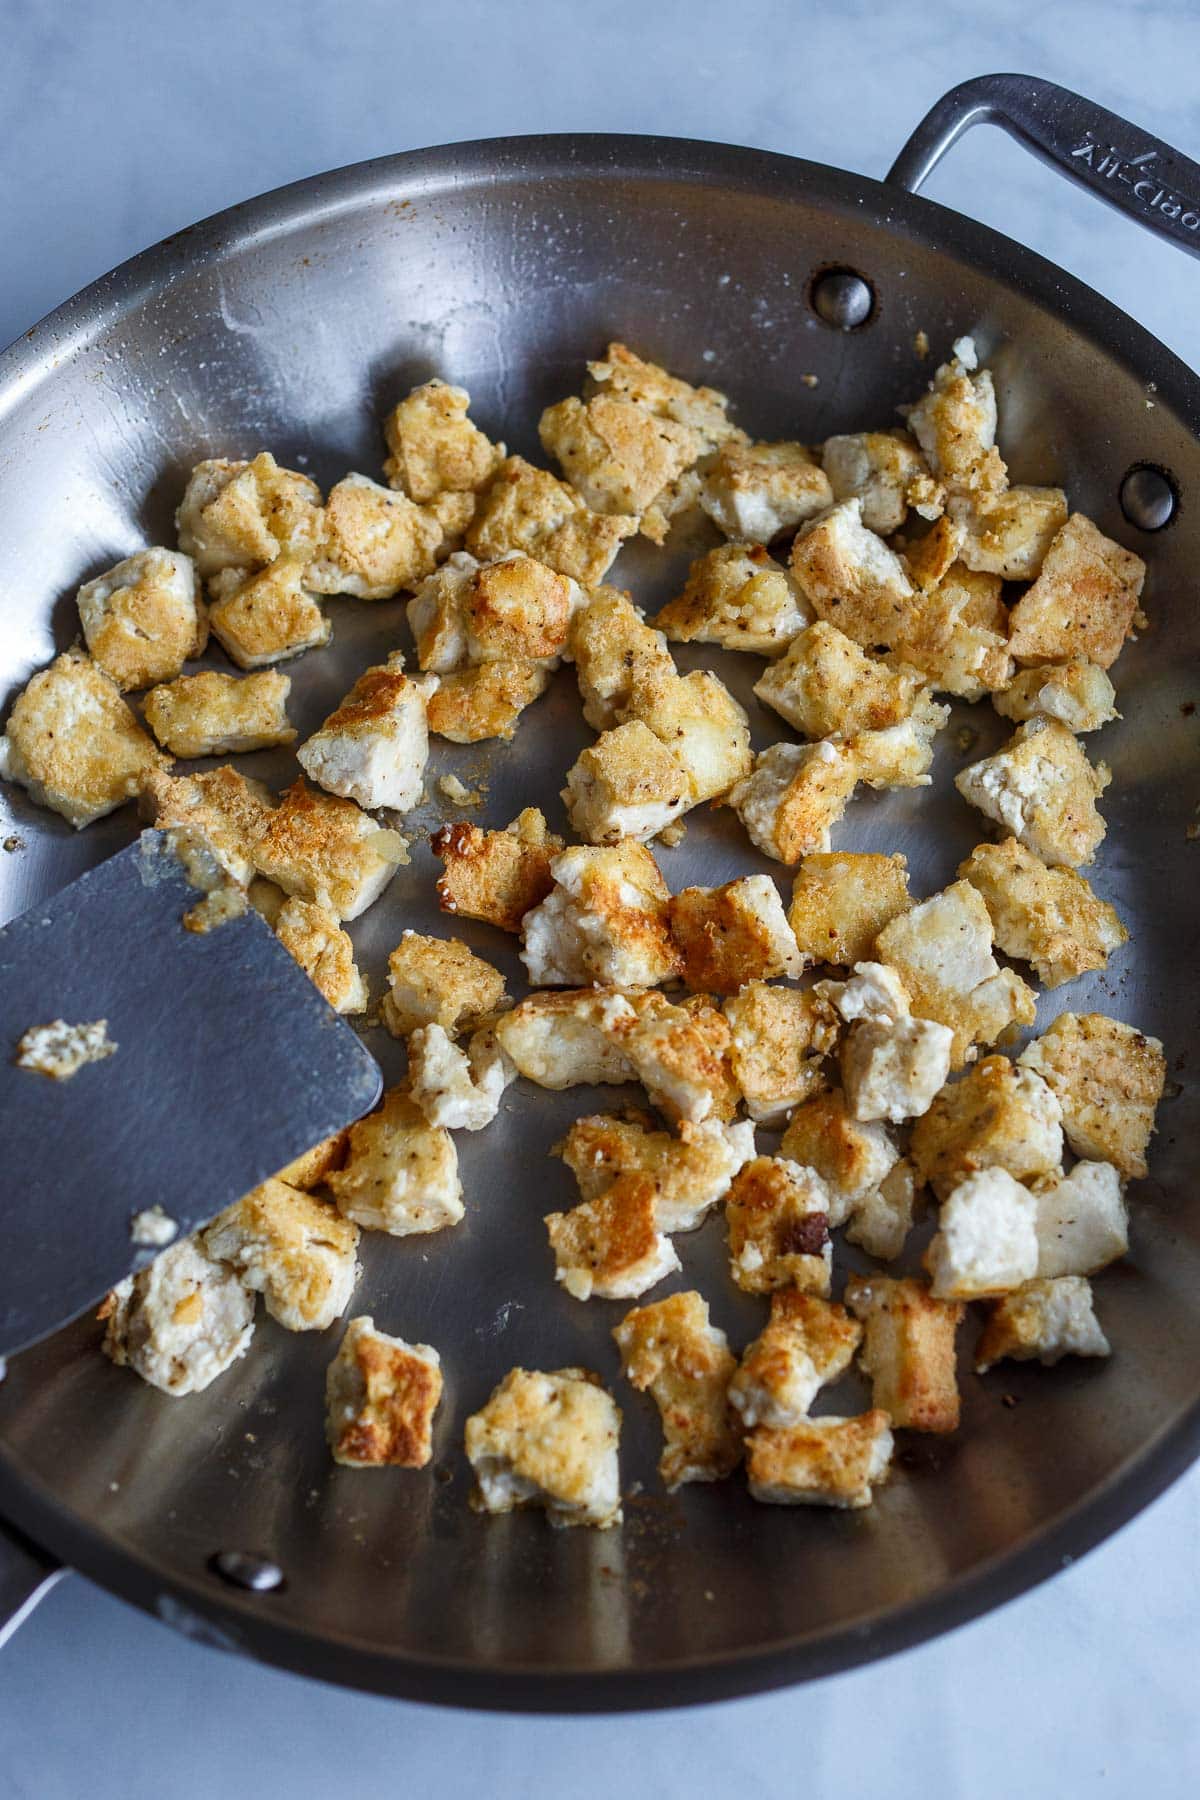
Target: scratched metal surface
293, 324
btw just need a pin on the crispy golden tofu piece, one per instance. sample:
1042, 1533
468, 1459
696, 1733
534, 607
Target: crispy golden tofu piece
942, 950
1078, 694
496, 875
777, 1216
180, 1322
380, 1398
877, 468
519, 609
400, 1173
901, 755
374, 747
548, 1440
826, 686
851, 578
1108, 1079
1048, 917
806, 1343
144, 618
671, 1349
292, 1248
997, 1117
701, 724
327, 850
955, 425
72, 741
470, 705
324, 951
956, 633
605, 920
616, 655
755, 492
220, 715
820, 1462
1043, 1322
377, 541
242, 515
310, 1170
737, 596
730, 935
1009, 533
267, 617
612, 1247
986, 1242
529, 510
779, 1038
434, 448
1082, 605
666, 396
852, 1157
625, 785
1041, 787
680, 1054
842, 901
794, 797
438, 981
909, 1350
229, 810
689, 1170
562, 1040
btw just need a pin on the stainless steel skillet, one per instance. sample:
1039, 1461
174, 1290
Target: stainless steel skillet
292, 322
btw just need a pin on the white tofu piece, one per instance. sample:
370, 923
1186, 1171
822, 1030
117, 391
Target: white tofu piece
1082, 1222
690, 1169
327, 850
562, 1040
830, 1461
795, 796
901, 756
627, 785
851, 577
293, 1249
827, 686
374, 747
882, 1220
180, 1322
60, 1050
737, 596
401, 1173
605, 921
807, 1343
671, 1349
1043, 1321
438, 981
680, 1054
242, 515
892, 1069
213, 714
1077, 694
72, 741
437, 614
380, 1397
756, 492
878, 468
852, 1158
874, 991
313, 937
456, 1089
612, 1248
548, 1440
986, 1241
731, 935
1042, 788
144, 617
1009, 533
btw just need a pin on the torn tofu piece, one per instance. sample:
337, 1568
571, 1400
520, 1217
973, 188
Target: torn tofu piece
883, 1219
892, 1068
671, 1349
826, 686
518, 609
269, 616
497, 876
997, 1116
1078, 695
942, 951
377, 541
986, 1241
806, 1343
374, 747
627, 785
72, 741
59, 1050
853, 1158
794, 797
756, 492
242, 515
956, 633
400, 1173
562, 1040
779, 1038
728, 936
605, 921
955, 425
1109, 1079
529, 510
689, 1170
327, 850
313, 937
471, 705
820, 1462
438, 981
437, 615
680, 1054
612, 1247
1082, 1223
380, 1398
144, 618
842, 901
1048, 917
701, 724
1041, 787
876, 468
292, 1248
1009, 533
228, 809
737, 596
310, 1170
458, 1089
873, 991
220, 715
850, 577
1083, 604
777, 1216
548, 1440
180, 1322
901, 756
434, 448
1042, 1322
909, 1350
616, 656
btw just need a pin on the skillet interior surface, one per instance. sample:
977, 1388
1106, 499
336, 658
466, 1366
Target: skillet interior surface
293, 323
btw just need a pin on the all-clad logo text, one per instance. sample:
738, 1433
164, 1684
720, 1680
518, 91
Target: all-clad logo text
1136, 173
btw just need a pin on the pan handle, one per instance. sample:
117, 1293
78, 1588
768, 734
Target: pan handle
27, 1574
1134, 171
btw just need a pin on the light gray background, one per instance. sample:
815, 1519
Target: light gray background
126, 120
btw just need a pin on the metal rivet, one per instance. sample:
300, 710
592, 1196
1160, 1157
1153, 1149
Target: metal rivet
843, 299
1148, 497
242, 1569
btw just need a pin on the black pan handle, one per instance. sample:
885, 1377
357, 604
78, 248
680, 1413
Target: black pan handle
1131, 169
27, 1574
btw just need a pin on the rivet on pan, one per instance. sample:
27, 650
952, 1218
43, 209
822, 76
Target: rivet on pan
1148, 497
843, 299
242, 1569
